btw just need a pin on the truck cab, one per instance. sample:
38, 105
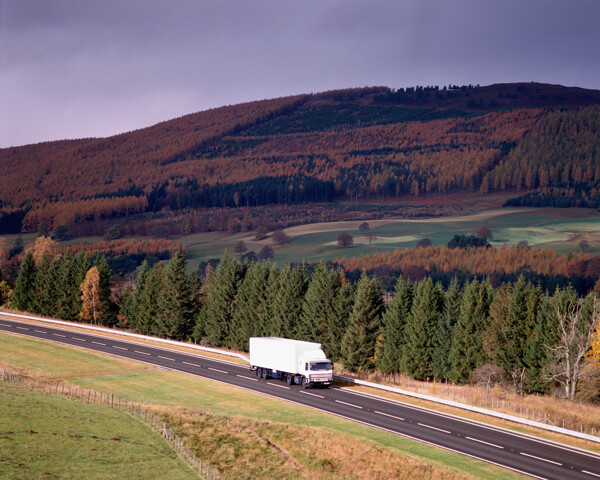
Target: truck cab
316, 372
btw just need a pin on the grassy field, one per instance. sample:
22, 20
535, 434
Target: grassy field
242, 434
558, 229
45, 436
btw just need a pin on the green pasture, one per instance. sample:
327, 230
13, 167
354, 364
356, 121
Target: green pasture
539, 230
134, 381
45, 436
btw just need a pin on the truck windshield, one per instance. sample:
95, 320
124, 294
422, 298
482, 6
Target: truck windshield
320, 366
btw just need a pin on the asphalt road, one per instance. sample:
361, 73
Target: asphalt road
528, 455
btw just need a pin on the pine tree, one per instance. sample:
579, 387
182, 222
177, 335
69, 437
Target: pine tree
344, 304
176, 309
219, 301
147, 301
67, 288
358, 344
427, 309
109, 309
318, 308
250, 306
513, 330
287, 304
391, 356
23, 296
45, 302
131, 310
445, 331
467, 352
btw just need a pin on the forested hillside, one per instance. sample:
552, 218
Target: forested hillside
372, 144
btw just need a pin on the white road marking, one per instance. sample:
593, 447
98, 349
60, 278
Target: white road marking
120, 348
349, 404
313, 394
80, 339
40, 331
280, 386
388, 415
166, 358
485, 443
192, 364
540, 458
591, 473
5, 325
143, 353
22, 328
248, 378
217, 370
99, 343
433, 428
59, 335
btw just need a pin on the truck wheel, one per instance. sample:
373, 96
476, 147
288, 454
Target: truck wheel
264, 373
304, 383
289, 379
259, 372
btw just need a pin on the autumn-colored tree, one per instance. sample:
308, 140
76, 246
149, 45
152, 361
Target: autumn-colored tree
345, 240
43, 246
279, 236
91, 310
240, 248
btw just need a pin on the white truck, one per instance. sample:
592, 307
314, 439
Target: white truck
294, 361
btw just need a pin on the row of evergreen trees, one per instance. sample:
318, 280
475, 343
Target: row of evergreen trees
425, 331
52, 286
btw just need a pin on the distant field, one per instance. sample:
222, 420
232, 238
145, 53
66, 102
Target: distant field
244, 434
558, 229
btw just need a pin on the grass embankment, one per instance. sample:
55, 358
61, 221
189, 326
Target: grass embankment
243, 434
45, 436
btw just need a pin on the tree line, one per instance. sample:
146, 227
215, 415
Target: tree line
424, 330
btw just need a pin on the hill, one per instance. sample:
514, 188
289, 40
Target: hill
371, 143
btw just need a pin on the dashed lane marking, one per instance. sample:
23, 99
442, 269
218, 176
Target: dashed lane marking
540, 458
143, 353
166, 358
99, 343
248, 378
22, 328
217, 370
388, 415
485, 443
349, 404
120, 348
40, 331
591, 473
433, 428
77, 338
193, 364
59, 335
313, 394
280, 386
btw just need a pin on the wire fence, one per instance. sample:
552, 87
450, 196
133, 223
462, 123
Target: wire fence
134, 409
478, 398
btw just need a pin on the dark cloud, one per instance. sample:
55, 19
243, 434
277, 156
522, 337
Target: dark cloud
70, 68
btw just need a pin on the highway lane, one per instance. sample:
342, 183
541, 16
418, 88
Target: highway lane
528, 455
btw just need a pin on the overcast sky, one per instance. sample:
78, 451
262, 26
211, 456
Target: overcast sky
85, 68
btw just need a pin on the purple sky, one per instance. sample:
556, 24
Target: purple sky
79, 68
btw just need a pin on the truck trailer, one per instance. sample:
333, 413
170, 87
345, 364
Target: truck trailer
293, 361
